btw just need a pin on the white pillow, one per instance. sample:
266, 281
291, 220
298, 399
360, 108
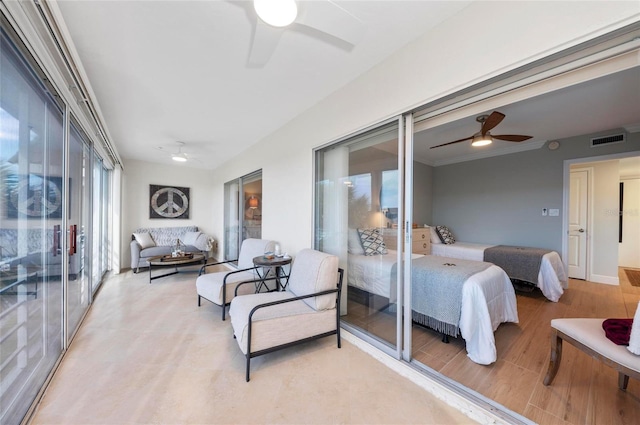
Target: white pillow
190, 238
354, 245
634, 338
434, 235
145, 240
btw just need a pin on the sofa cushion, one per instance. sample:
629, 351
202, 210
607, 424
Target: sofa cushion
145, 240
166, 236
155, 250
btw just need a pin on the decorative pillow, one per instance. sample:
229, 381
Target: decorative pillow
445, 235
190, 238
435, 238
372, 242
353, 242
145, 240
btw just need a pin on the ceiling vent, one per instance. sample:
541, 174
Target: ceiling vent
607, 140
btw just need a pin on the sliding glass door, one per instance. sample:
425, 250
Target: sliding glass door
31, 219
242, 212
358, 217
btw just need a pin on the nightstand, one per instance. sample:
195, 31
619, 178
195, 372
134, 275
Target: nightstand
421, 240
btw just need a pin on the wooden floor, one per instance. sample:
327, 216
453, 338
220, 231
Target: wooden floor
584, 391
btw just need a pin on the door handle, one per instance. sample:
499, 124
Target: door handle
581, 230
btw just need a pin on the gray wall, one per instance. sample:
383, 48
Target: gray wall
422, 193
499, 200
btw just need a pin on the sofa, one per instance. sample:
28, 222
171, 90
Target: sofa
149, 242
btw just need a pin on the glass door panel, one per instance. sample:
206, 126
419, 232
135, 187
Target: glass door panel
357, 209
242, 212
31, 212
79, 209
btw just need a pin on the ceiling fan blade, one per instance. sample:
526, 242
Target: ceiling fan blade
451, 143
512, 137
492, 120
265, 41
329, 18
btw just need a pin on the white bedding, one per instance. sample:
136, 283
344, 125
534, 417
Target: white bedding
552, 279
488, 299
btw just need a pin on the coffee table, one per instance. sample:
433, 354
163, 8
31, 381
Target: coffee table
165, 261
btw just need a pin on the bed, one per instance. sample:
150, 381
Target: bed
552, 279
488, 298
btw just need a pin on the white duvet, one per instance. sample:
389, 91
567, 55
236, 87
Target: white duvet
488, 299
552, 279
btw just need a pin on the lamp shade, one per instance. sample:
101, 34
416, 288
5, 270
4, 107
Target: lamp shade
253, 202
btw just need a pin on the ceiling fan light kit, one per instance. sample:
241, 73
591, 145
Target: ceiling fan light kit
480, 140
180, 157
278, 13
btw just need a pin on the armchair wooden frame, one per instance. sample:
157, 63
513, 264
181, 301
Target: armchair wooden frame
336, 332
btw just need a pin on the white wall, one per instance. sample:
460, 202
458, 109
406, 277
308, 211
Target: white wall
442, 61
629, 249
137, 177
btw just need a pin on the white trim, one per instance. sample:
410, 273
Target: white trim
406, 341
609, 280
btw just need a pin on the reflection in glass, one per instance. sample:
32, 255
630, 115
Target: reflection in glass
356, 181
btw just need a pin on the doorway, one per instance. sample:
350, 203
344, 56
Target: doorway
601, 184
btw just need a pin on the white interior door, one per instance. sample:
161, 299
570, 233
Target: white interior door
578, 218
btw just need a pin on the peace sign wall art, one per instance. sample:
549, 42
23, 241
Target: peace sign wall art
168, 202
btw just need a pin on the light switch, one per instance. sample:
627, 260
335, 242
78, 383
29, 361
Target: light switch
554, 212
544, 212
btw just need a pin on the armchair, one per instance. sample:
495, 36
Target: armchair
219, 287
308, 309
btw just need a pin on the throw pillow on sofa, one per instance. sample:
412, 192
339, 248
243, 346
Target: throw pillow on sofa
190, 238
145, 240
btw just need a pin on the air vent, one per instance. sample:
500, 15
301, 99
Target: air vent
607, 140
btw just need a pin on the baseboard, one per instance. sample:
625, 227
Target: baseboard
609, 280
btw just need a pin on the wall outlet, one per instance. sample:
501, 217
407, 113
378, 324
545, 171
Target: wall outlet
554, 212
544, 212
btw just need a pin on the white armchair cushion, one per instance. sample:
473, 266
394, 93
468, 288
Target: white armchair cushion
145, 240
209, 285
634, 339
314, 271
279, 324
252, 248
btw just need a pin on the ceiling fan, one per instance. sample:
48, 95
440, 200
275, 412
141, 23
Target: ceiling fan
323, 17
484, 137
178, 156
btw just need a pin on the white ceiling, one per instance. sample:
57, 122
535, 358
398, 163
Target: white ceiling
169, 71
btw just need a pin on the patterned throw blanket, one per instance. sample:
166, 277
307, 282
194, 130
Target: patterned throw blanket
436, 294
520, 263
